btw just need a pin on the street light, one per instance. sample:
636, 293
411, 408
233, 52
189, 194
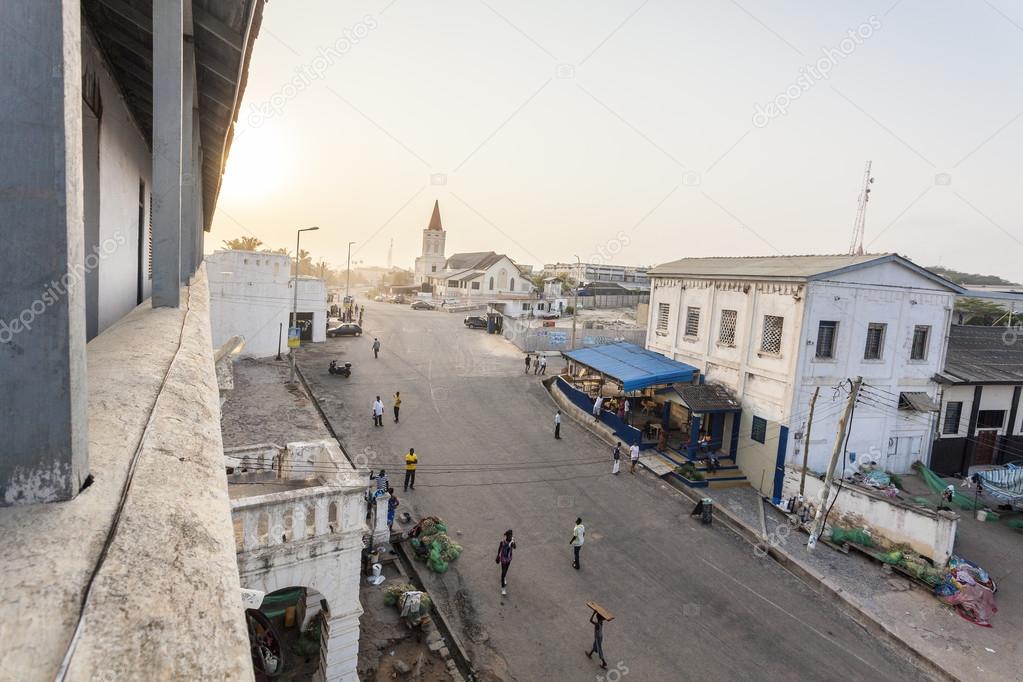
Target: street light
575, 299
348, 277
294, 315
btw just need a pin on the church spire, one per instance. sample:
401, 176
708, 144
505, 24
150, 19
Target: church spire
435, 218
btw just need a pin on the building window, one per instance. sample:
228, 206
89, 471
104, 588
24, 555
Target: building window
663, 313
953, 411
475, 286
149, 246
433, 268
759, 430
827, 330
526, 307
990, 419
491, 283
277, 268
771, 341
692, 322
511, 285
875, 341
921, 335
726, 334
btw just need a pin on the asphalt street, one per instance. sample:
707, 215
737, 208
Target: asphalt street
691, 601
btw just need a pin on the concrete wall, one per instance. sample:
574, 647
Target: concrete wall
124, 162
991, 398
928, 532
252, 297
901, 299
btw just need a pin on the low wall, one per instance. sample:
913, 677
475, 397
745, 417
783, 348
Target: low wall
928, 532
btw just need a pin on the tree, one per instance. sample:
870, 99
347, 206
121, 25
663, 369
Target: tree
966, 278
978, 311
243, 243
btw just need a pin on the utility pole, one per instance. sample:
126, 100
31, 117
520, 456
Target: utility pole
294, 314
806, 440
348, 276
575, 300
843, 424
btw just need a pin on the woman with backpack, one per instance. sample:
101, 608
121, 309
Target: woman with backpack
504, 557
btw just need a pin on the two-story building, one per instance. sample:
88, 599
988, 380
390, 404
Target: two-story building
774, 329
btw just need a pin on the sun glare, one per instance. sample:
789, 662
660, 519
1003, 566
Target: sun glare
258, 164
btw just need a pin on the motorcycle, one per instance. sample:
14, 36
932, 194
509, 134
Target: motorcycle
344, 370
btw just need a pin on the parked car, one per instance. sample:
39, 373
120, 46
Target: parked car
475, 322
398, 298
550, 315
422, 305
378, 298
346, 329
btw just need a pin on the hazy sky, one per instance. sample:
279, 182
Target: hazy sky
645, 130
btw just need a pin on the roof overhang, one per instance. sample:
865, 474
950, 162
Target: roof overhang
633, 367
702, 398
917, 400
223, 33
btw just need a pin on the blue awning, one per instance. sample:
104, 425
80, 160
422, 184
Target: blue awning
633, 367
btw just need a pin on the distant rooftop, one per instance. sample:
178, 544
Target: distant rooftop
979, 355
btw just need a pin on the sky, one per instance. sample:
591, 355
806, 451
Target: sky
634, 132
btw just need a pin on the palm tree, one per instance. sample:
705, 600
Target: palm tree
243, 243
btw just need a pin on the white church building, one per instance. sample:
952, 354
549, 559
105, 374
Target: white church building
477, 275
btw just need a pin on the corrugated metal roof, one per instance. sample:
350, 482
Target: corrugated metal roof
983, 355
633, 367
767, 267
700, 398
917, 400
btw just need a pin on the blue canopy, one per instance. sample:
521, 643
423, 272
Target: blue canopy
632, 366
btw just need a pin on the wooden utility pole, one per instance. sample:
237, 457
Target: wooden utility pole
843, 424
806, 440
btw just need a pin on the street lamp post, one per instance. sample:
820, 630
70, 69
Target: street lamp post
294, 313
575, 300
348, 276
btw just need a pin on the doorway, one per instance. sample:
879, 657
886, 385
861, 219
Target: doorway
984, 451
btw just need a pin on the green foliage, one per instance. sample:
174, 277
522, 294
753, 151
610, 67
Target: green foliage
243, 243
689, 472
966, 278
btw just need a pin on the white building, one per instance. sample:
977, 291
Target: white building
774, 329
629, 276
251, 296
479, 275
433, 258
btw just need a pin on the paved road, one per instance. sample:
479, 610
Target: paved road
691, 602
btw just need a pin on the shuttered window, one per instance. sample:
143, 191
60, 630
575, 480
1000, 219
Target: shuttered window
771, 341
875, 341
663, 313
692, 322
726, 334
826, 332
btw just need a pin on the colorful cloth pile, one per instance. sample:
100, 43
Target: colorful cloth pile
969, 589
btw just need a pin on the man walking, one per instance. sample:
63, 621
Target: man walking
598, 638
597, 404
543, 364
536, 365
529, 359
378, 412
633, 456
616, 455
410, 469
578, 537
504, 557
557, 425
626, 410
392, 507
376, 347
397, 405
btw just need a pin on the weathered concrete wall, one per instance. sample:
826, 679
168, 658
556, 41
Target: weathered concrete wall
168, 594
926, 531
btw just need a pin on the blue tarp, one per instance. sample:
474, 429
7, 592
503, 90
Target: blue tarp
632, 366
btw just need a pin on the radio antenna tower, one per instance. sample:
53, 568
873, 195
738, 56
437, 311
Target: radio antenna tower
856, 245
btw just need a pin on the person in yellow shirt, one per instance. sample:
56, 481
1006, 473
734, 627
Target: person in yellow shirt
397, 405
410, 469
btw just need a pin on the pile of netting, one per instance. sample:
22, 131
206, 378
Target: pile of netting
938, 485
969, 589
906, 559
430, 543
394, 592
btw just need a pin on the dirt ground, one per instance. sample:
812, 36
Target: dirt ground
264, 408
384, 640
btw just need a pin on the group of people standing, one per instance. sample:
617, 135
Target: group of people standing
378, 409
539, 364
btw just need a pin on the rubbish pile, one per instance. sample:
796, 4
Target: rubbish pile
938, 485
394, 593
876, 479
430, 543
969, 589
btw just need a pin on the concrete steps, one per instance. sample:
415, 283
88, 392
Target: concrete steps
728, 475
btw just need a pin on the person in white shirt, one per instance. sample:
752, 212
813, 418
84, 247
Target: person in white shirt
626, 409
557, 425
597, 404
378, 412
578, 537
634, 456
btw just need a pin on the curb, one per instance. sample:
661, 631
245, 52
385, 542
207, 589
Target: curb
827, 589
451, 639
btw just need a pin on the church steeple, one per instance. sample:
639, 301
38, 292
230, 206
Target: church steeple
435, 218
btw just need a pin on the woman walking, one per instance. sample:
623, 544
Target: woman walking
504, 557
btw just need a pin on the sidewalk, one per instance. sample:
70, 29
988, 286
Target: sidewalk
890, 605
